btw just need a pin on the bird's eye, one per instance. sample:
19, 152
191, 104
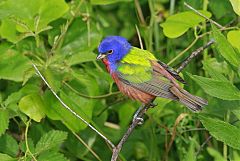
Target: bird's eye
110, 51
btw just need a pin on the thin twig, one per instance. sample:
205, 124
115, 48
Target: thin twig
87, 146
91, 97
135, 122
139, 37
202, 15
185, 50
70, 110
194, 54
139, 11
203, 144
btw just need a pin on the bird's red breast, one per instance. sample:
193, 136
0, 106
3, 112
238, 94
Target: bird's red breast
106, 63
130, 91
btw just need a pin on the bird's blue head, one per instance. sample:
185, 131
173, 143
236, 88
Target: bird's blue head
113, 48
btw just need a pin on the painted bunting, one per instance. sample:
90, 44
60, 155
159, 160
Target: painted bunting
140, 76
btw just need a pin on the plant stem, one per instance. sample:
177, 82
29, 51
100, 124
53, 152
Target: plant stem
91, 97
26, 141
205, 52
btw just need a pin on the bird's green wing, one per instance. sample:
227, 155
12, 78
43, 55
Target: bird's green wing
136, 66
136, 70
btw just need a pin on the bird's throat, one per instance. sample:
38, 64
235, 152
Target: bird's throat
111, 67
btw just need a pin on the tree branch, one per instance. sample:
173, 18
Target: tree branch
135, 122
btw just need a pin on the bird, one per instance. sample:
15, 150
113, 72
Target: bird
139, 75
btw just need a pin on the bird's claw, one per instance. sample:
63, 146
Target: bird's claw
139, 120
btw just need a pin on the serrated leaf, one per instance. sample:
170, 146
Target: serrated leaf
8, 145
50, 140
222, 131
217, 88
5, 157
236, 6
176, 25
52, 156
33, 106
225, 48
234, 38
4, 121
13, 65
31, 146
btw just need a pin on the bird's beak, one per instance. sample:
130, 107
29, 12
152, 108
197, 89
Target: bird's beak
101, 56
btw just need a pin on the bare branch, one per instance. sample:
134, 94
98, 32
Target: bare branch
193, 55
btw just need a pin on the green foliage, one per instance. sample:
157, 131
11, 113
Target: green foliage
235, 5
50, 140
32, 105
221, 130
233, 38
218, 88
225, 48
61, 38
4, 121
176, 25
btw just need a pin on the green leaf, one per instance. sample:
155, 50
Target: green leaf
34, 18
225, 48
52, 156
9, 145
4, 120
51, 10
5, 157
33, 106
8, 30
105, 2
237, 112
215, 154
176, 25
13, 65
216, 69
81, 39
191, 156
81, 57
221, 9
236, 6
50, 140
234, 38
217, 88
222, 131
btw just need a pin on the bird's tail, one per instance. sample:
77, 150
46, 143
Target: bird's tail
194, 103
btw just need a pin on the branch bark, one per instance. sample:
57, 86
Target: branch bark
135, 122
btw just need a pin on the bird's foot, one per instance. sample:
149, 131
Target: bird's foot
139, 120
